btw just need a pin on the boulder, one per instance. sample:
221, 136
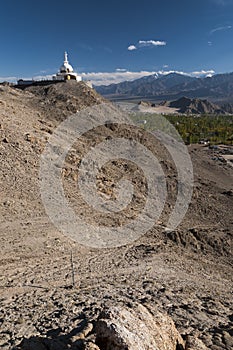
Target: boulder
136, 329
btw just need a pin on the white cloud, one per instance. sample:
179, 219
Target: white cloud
9, 79
218, 29
132, 47
106, 78
146, 43
206, 73
36, 77
121, 70
143, 43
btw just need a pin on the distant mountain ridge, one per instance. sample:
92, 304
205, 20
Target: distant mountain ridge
173, 85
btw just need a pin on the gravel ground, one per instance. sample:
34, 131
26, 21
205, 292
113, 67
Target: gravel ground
185, 273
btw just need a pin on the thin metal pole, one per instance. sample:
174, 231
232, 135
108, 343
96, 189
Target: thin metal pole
72, 268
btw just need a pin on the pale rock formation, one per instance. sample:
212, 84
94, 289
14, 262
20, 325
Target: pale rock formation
137, 329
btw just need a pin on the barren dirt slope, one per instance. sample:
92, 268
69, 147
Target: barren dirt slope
186, 273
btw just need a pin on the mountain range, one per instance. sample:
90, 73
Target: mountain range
172, 86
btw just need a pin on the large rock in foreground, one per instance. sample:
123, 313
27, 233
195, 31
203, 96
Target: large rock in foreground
136, 329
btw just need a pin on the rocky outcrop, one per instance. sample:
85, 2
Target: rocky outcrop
136, 329
196, 106
118, 328
227, 107
146, 104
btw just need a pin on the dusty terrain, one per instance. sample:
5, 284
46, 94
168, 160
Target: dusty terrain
186, 273
132, 107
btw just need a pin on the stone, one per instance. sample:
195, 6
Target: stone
5, 140
84, 332
193, 343
91, 346
30, 138
136, 329
228, 339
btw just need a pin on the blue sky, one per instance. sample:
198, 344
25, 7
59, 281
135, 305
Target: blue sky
112, 40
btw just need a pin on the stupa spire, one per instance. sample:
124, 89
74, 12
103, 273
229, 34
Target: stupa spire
65, 57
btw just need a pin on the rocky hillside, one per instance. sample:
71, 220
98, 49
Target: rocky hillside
185, 105
166, 290
195, 106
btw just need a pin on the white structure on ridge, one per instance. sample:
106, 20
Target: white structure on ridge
66, 71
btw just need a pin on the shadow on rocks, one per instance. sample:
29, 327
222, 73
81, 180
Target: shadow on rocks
54, 340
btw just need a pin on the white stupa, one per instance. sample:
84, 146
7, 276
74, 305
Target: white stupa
66, 71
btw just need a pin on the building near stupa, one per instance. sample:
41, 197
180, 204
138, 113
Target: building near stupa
66, 71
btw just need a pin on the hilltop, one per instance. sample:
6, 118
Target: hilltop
185, 274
